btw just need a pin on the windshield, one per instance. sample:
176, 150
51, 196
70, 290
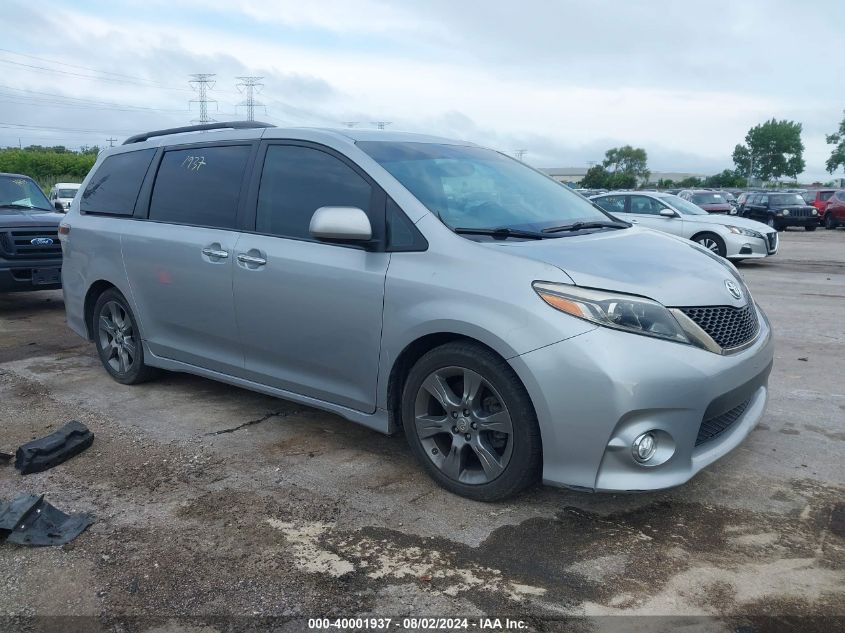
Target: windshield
471, 187
708, 198
786, 199
67, 193
16, 191
683, 206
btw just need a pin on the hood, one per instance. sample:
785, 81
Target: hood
717, 207
732, 220
14, 218
671, 270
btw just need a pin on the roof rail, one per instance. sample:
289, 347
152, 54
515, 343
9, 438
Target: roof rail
224, 125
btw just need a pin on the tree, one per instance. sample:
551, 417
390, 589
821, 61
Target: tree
622, 180
631, 161
665, 183
597, 177
727, 178
837, 156
689, 182
772, 149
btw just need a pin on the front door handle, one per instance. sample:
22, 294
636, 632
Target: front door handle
251, 260
213, 252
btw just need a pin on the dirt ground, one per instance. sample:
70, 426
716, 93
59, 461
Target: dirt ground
219, 503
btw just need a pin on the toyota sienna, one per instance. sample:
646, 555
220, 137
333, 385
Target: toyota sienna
514, 330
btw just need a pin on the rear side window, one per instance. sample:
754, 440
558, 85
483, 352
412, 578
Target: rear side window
612, 204
114, 187
825, 195
296, 181
200, 186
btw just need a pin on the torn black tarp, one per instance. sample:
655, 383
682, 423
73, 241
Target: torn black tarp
46, 452
29, 520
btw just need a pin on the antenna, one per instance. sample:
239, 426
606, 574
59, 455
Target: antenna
202, 83
250, 85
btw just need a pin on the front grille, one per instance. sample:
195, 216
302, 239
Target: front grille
773, 242
18, 244
728, 326
714, 427
800, 213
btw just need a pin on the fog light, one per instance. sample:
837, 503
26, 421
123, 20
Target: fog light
644, 447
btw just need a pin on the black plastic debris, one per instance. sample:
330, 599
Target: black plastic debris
5, 457
29, 520
46, 452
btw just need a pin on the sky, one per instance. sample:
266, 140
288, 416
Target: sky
564, 80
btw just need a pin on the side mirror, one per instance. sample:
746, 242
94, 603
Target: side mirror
341, 224
668, 213
59, 206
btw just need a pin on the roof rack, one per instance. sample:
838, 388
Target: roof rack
224, 125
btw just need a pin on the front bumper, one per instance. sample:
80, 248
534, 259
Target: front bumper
18, 276
594, 393
747, 247
791, 220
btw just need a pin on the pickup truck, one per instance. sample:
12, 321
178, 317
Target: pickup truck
30, 252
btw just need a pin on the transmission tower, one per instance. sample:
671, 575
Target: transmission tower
520, 153
350, 123
250, 86
381, 124
111, 141
202, 83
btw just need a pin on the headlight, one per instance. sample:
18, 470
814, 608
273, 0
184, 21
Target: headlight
618, 311
786, 211
814, 212
737, 230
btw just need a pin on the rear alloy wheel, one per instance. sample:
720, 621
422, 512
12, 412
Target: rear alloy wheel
829, 222
713, 243
470, 422
118, 341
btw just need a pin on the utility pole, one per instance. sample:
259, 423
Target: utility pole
250, 86
381, 124
520, 153
202, 83
111, 141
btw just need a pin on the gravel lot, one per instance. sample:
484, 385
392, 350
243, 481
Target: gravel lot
214, 501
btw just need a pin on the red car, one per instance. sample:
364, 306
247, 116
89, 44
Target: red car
710, 201
818, 198
834, 212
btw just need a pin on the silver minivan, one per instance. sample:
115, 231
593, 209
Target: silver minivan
514, 330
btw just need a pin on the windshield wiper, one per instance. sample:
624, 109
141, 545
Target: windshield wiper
21, 206
501, 233
577, 226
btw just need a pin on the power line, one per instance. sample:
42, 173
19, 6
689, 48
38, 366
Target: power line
202, 83
250, 85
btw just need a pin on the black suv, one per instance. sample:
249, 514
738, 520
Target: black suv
780, 210
30, 252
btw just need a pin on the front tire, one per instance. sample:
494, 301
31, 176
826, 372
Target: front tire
713, 243
829, 222
118, 340
470, 422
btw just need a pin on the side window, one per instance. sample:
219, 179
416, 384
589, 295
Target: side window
763, 200
824, 195
612, 204
114, 187
645, 205
296, 181
200, 186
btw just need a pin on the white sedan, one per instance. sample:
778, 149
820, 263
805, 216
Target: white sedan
727, 235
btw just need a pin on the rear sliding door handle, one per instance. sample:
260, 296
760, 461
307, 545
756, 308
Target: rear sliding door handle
249, 259
212, 252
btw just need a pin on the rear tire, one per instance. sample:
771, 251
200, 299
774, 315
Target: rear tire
713, 243
470, 422
118, 340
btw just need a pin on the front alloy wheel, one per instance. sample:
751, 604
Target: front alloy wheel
470, 422
713, 243
463, 425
